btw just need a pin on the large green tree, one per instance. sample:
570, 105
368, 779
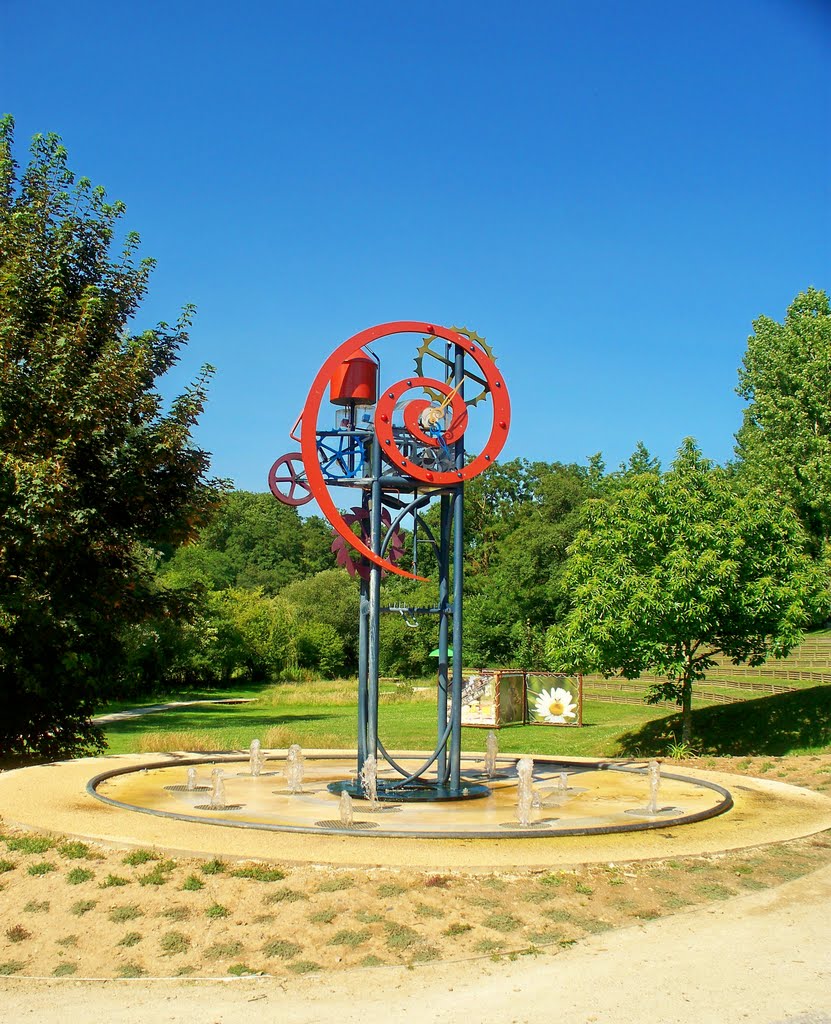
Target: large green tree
331, 597
253, 542
672, 571
785, 440
523, 518
95, 473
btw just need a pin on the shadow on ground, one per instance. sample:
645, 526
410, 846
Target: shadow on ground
773, 725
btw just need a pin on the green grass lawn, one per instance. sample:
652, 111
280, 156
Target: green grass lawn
324, 714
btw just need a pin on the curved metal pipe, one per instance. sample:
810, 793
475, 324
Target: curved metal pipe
423, 768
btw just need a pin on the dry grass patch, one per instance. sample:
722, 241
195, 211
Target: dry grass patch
164, 742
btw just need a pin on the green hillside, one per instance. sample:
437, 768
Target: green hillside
807, 666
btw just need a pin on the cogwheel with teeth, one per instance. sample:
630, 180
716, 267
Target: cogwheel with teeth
427, 350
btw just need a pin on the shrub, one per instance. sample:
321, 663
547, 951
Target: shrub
173, 943
131, 970
223, 950
112, 881
41, 868
138, 857
128, 912
259, 873
303, 967
78, 875
502, 922
82, 907
74, 850
30, 844
285, 896
282, 949
400, 936
350, 937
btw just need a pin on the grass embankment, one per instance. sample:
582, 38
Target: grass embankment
807, 666
324, 714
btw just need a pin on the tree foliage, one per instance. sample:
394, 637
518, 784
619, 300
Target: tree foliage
266, 544
94, 473
785, 440
523, 518
672, 570
331, 598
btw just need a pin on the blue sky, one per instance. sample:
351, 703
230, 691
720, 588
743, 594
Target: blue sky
609, 192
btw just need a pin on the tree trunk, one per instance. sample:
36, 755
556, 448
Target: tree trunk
686, 709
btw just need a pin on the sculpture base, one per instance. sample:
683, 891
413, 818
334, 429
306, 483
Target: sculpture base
411, 792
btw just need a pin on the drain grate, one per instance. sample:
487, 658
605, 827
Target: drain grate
542, 823
185, 789
644, 812
300, 792
356, 826
224, 807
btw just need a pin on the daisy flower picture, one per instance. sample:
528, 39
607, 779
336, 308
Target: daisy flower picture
553, 701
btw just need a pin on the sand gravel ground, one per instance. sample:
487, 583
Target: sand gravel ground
763, 957
760, 959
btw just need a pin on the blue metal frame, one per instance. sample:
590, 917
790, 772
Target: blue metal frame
368, 473
344, 460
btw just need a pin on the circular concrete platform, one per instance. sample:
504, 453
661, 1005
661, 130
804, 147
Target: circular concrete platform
572, 798
54, 798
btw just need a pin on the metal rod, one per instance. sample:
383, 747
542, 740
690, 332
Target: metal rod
374, 604
441, 696
458, 577
404, 610
397, 483
363, 639
415, 539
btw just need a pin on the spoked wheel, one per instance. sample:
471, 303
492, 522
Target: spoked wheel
287, 480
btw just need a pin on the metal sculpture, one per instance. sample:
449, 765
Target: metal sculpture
402, 445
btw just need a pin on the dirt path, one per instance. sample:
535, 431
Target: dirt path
173, 705
762, 958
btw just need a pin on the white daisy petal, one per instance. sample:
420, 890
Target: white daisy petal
555, 705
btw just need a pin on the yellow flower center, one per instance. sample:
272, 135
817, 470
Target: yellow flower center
556, 707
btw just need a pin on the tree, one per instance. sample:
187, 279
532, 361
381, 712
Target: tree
266, 543
95, 475
254, 542
266, 628
320, 647
517, 592
640, 461
785, 440
670, 571
333, 598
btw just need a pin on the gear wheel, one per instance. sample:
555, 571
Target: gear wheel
426, 350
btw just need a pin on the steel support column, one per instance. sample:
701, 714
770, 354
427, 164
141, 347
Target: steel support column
374, 615
458, 577
444, 630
